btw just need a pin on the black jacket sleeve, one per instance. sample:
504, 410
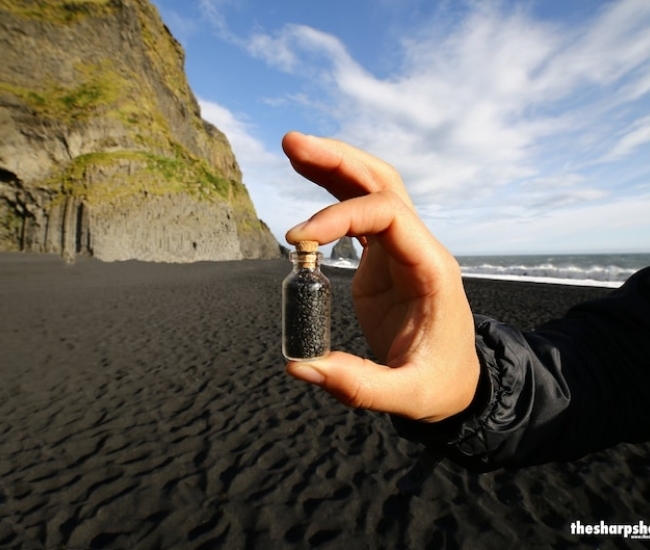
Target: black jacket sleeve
574, 385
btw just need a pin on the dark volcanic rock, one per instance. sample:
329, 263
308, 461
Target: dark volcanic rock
344, 249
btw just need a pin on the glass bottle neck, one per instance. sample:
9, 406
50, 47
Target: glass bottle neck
306, 260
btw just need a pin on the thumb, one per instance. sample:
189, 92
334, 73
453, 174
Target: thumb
361, 383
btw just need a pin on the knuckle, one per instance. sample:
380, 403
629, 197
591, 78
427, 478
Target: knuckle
358, 392
391, 174
357, 396
393, 202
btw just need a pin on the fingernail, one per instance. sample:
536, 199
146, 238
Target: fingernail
307, 374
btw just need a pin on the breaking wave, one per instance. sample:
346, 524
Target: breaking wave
603, 270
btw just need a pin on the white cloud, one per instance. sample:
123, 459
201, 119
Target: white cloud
472, 110
483, 110
213, 11
636, 136
636, 88
300, 49
276, 51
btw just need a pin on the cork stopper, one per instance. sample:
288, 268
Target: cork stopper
306, 253
307, 246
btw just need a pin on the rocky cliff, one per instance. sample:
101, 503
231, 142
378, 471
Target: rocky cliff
102, 147
344, 250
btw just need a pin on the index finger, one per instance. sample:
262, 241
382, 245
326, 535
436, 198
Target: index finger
345, 171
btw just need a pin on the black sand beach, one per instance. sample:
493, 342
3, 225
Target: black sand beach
146, 406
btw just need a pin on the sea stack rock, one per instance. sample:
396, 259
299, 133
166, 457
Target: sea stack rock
102, 147
344, 250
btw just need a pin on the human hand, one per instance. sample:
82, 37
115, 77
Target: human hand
407, 292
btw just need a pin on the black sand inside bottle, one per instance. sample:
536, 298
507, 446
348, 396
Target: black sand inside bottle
306, 306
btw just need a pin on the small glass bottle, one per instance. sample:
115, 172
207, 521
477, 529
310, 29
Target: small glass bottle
306, 306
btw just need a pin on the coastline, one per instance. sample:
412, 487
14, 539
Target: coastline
593, 270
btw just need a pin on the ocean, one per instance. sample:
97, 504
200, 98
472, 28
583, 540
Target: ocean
601, 270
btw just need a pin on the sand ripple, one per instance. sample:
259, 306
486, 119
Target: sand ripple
146, 406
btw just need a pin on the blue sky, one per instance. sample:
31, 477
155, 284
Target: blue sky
518, 127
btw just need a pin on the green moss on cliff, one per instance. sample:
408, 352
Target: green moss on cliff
164, 52
108, 176
247, 220
98, 88
57, 12
196, 175
10, 227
